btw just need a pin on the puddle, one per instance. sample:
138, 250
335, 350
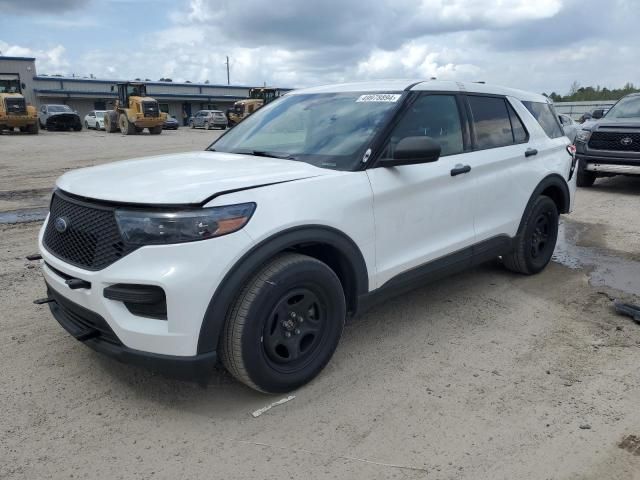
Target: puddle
23, 216
604, 268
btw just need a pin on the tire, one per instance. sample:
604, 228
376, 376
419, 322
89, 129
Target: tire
33, 129
157, 130
139, 130
584, 178
224, 127
207, 126
77, 128
192, 125
111, 122
285, 324
126, 127
86, 125
535, 244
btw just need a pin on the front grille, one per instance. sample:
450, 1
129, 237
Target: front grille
150, 109
16, 106
78, 321
616, 141
90, 237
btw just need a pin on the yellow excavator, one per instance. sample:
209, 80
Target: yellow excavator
14, 111
258, 97
134, 111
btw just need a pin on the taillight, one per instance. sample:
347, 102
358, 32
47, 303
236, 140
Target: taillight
571, 149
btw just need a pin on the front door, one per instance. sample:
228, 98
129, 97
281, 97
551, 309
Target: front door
186, 113
424, 212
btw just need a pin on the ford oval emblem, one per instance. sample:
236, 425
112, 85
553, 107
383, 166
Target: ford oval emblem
626, 141
61, 224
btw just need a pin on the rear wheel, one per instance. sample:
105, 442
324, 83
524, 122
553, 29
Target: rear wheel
207, 126
86, 125
285, 325
126, 127
33, 129
111, 122
535, 244
191, 124
157, 130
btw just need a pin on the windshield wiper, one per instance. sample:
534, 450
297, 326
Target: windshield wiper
264, 153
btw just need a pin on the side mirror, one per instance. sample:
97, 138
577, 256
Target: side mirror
413, 150
597, 114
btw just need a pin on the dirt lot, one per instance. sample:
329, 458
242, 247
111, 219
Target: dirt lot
486, 375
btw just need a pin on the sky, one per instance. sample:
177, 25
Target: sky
537, 45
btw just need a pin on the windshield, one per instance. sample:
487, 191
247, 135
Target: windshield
99, 114
59, 108
329, 130
626, 108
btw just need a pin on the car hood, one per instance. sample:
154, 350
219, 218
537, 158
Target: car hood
184, 178
612, 123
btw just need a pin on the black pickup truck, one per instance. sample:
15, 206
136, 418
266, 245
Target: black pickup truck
610, 145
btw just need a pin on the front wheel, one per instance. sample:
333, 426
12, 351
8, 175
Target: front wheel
285, 324
584, 178
535, 244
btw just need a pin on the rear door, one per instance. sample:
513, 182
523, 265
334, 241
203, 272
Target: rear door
499, 162
424, 212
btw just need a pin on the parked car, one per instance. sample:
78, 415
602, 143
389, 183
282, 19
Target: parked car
255, 251
94, 119
59, 117
610, 145
170, 123
569, 126
208, 119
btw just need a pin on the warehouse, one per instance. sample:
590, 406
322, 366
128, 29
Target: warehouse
86, 94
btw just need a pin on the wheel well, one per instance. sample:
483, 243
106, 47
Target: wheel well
337, 261
556, 194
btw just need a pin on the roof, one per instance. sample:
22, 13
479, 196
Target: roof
22, 59
424, 85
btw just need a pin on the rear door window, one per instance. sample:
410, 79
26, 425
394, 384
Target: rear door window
546, 117
491, 122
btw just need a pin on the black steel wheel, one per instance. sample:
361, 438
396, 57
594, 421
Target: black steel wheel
285, 325
536, 242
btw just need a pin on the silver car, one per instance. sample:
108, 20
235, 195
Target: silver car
569, 126
208, 119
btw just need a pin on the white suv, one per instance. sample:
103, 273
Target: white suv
255, 251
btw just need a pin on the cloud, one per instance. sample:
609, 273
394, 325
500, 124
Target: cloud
52, 60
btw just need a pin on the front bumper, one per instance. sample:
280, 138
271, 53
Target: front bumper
91, 329
610, 164
189, 274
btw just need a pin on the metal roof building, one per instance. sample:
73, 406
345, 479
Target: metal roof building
86, 94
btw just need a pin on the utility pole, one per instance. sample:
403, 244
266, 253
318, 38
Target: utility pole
228, 81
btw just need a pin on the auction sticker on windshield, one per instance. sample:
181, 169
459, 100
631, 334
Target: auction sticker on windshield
379, 97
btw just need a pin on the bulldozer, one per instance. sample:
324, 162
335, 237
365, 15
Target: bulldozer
258, 97
134, 111
14, 111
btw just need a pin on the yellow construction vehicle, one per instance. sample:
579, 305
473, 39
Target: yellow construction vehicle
258, 97
134, 111
14, 111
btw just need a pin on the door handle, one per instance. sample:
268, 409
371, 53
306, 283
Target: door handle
530, 152
460, 169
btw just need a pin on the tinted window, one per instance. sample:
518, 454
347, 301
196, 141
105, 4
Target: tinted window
520, 134
546, 118
491, 122
434, 116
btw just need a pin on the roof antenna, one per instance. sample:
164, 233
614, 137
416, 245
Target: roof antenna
433, 78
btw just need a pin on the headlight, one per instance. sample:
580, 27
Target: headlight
583, 136
154, 228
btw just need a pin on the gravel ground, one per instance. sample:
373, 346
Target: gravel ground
485, 375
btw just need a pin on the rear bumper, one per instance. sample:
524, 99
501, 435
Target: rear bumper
91, 329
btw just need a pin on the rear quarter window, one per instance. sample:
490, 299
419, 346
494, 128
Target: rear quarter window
546, 117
